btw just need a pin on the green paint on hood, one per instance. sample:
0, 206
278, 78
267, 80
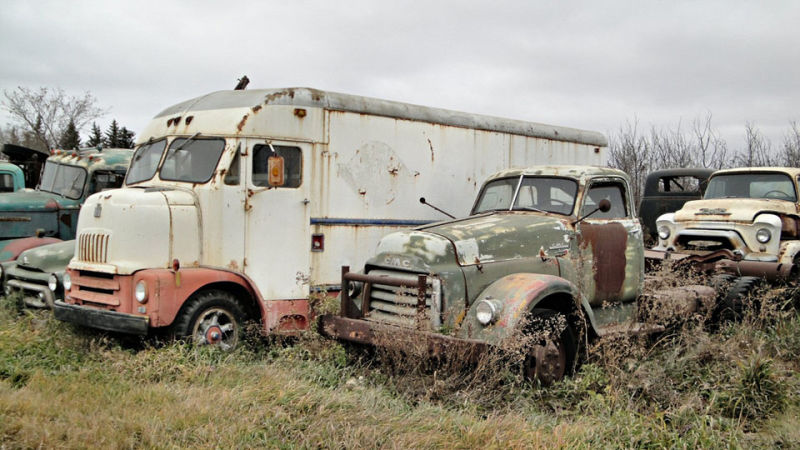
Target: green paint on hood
48, 258
502, 236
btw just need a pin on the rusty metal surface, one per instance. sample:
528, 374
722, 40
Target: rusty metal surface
608, 242
769, 270
372, 333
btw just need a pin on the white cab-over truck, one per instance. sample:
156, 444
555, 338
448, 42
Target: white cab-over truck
238, 204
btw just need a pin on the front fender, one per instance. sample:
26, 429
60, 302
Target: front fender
519, 293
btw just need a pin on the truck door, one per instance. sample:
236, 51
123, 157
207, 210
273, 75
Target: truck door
611, 244
277, 238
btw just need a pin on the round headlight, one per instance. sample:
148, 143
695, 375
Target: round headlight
140, 292
52, 282
663, 232
763, 235
486, 311
67, 282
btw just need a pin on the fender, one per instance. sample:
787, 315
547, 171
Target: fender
790, 250
171, 289
10, 249
519, 293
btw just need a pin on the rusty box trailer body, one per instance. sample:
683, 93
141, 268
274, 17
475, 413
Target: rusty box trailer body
260, 196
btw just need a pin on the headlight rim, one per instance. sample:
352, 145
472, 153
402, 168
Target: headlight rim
142, 299
66, 281
664, 232
766, 232
53, 282
494, 311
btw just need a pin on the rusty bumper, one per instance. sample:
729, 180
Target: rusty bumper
371, 333
726, 261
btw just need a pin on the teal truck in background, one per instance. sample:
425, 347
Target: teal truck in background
68, 179
48, 214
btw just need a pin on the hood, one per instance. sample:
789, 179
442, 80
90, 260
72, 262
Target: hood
48, 258
503, 236
732, 209
33, 201
413, 250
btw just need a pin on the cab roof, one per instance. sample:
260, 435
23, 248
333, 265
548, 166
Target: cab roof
107, 158
791, 171
254, 100
570, 171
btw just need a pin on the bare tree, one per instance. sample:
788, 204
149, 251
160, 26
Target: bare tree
48, 112
757, 151
791, 146
711, 151
629, 151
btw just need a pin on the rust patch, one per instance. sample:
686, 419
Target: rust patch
233, 265
430, 144
242, 122
189, 119
257, 108
608, 242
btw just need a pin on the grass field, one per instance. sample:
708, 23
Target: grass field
62, 386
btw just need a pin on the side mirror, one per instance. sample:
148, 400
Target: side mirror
604, 206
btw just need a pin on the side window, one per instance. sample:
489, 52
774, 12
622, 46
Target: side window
679, 185
291, 158
6, 182
102, 180
614, 193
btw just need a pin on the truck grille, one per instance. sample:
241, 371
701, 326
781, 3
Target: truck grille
93, 247
398, 305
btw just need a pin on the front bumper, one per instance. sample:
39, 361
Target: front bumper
34, 295
381, 335
101, 319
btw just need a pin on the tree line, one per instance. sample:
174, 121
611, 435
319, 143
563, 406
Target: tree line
48, 118
639, 152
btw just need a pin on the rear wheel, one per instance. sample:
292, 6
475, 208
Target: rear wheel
211, 317
551, 354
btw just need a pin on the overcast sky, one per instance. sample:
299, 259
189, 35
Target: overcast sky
592, 65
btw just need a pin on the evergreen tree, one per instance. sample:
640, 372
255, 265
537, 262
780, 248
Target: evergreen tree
70, 139
112, 139
126, 138
96, 137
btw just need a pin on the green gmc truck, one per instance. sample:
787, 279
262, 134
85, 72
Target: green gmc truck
543, 245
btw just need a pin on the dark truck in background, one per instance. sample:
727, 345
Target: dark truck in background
666, 191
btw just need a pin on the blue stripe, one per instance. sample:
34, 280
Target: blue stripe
374, 222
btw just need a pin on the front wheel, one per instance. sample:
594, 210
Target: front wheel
211, 317
553, 347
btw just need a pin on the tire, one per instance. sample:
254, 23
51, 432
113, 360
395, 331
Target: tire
738, 298
551, 354
211, 317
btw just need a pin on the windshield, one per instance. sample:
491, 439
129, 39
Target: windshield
145, 161
192, 160
556, 195
775, 186
63, 180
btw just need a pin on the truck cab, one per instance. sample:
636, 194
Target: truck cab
559, 242
48, 214
748, 223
